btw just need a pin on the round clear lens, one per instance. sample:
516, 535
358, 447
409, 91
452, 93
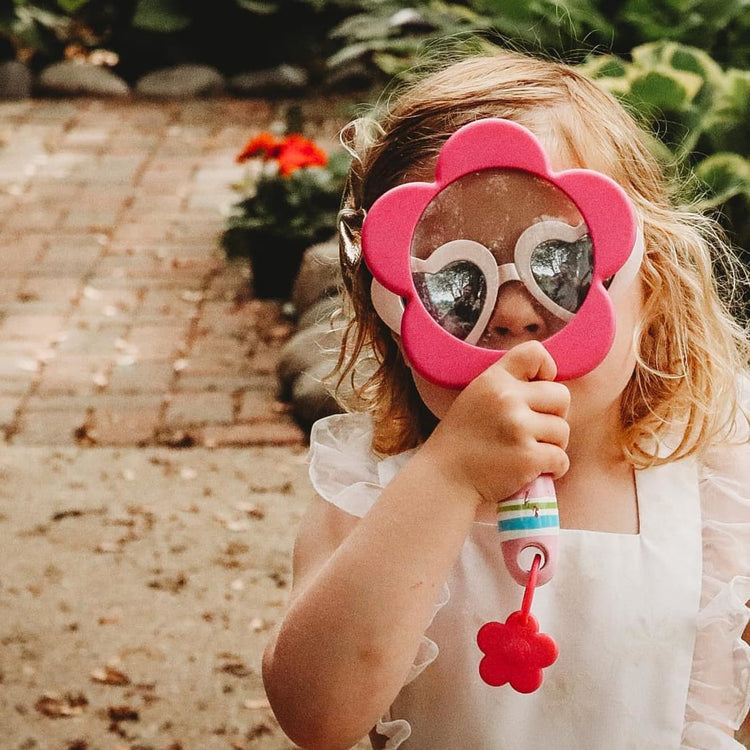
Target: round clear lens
563, 270
490, 210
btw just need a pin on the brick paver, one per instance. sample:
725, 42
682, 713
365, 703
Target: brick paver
121, 321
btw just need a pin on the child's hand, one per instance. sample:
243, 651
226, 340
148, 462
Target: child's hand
507, 427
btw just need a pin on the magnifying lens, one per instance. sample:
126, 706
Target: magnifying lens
497, 250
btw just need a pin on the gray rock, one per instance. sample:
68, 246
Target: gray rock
15, 80
72, 78
181, 82
322, 311
349, 75
311, 397
312, 352
319, 275
284, 79
304, 350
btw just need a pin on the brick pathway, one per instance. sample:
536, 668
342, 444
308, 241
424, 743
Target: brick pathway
121, 322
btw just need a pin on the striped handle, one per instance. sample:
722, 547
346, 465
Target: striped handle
529, 519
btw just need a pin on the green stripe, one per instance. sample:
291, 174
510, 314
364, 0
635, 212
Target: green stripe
527, 506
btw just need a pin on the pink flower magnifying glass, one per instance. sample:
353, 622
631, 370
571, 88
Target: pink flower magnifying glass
500, 248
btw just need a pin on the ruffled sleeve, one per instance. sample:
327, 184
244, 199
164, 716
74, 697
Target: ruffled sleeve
719, 693
343, 468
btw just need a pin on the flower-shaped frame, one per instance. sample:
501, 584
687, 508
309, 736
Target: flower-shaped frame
494, 143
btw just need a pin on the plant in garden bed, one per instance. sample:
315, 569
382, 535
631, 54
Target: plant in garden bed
290, 197
700, 112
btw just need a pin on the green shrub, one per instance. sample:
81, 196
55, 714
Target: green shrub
701, 115
144, 34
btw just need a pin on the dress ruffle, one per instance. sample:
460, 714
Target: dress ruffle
345, 472
719, 693
343, 468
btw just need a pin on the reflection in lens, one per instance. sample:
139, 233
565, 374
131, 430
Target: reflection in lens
454, 296
563, 270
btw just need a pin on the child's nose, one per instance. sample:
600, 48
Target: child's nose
514, 320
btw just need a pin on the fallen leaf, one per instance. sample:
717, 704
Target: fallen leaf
57, 706
122, 713
108, 547
235, 668
257, 704
173, 584
110, 676
72, 513
259, 730
252, 510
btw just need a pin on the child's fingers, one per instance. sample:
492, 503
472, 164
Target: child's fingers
552, 460
548, 398
551, 430
529, 361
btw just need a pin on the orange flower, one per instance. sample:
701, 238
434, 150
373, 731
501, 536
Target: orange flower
291, 153
265, 145
297, 152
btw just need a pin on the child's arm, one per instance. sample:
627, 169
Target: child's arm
365, 589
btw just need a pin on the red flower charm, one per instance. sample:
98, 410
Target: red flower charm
515, 652
290, 153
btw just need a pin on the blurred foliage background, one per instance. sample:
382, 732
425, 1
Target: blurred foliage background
684, 65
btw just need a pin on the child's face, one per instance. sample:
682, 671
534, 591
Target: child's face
495, 209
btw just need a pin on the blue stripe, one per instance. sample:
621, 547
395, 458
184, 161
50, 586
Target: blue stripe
528, 522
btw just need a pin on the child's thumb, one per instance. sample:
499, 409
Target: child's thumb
529, 361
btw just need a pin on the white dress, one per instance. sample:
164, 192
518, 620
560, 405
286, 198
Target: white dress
648, 626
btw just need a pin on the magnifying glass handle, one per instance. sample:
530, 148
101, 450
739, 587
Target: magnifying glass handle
529, 520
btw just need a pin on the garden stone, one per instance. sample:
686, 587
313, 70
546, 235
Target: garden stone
286, 80
351, 75
312, 352
319, 275
322, 311
311, 398
304, 350
181, 82
15, 80
74, 78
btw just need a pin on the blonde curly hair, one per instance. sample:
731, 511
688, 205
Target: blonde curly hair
690, 350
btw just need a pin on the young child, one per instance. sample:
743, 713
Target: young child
397, 563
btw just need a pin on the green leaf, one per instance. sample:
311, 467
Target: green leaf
258, 7
605, 66
736, 94
71, 6
165, 16
726, 175
665, 89
694, 60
